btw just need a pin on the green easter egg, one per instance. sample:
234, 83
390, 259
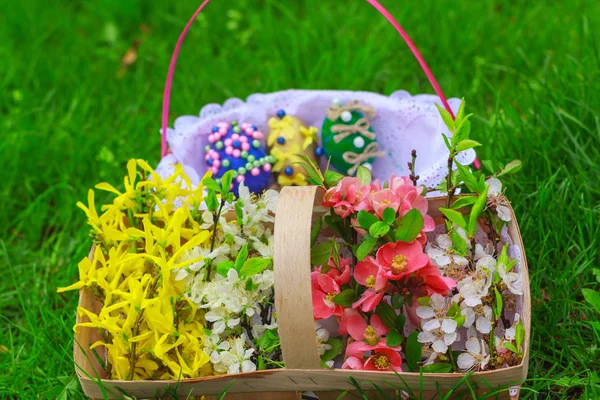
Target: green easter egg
354, 143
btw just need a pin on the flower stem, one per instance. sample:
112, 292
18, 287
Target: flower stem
214, 237
411, 166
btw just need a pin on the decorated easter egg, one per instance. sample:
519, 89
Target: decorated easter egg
238, 147
347, 137
287, 138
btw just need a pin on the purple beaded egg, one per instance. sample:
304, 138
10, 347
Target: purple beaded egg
238, 147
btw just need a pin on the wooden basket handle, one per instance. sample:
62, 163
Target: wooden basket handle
374, 3
293, 293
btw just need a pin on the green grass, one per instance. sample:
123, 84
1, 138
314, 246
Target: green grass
530, 72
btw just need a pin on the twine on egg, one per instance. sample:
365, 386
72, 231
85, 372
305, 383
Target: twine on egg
356, 159
334, 112
361, 126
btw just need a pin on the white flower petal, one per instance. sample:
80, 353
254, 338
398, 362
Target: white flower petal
439, 346
248, 366
465, 361
449, 325
495, 187
438, 302
425, 312
450, 338
503, 213
430, 325
444, 241
425, 337
483, 325
473, 346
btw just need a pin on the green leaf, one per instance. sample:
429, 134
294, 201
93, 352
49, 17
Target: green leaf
268, 340
596, 272
592, 297
320, 254
394, 338
446, 142
442, 186
454, 216
366, 219
511, 347
224, 266
211, 184
211, 201
463, 202
400, 322
332, 178
388, 215
476, 211
489, 165
467, 144
226, 181
387, 314
519, 334
447, 118
453, 311
379, 229
413, 352
365, 247
410, 226
437, 368
397, 300
511, 168
334, 351
460, 114
424, 301
497, 303
462, 133
334, 222
364, 174
503, 256
241, 257
239, 212
315, 231
467, 177
345, 298
460, 319
254, 266
459, 243
250, 285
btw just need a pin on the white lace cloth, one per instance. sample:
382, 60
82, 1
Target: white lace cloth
403, 123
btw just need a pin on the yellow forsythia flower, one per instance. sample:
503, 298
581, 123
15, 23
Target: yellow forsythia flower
149, 328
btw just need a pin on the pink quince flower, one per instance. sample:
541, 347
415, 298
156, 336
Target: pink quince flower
384, 359
400, 259
324, 289
369, 274
348, 196
371, 333
341, 276
369, 300
410, 197
382, 199
434, 281
354, 363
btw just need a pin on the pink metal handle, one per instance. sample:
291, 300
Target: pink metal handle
374, 3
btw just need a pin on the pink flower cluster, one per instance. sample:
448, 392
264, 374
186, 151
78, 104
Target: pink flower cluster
396, 268
350, 196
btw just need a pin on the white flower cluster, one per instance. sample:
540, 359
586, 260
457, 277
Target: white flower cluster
234, 303
463, 319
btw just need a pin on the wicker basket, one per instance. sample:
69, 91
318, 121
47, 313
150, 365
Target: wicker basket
295, 213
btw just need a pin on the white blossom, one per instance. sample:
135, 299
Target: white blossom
512, 280
442, 255
496, 199
475, 357
236, 359
480, 315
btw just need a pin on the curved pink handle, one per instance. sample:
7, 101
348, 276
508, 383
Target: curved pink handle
374, 3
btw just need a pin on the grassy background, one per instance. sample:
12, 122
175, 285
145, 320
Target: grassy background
71, 114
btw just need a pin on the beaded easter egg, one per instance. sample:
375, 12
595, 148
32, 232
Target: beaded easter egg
347, 137
238, 147
287, 138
